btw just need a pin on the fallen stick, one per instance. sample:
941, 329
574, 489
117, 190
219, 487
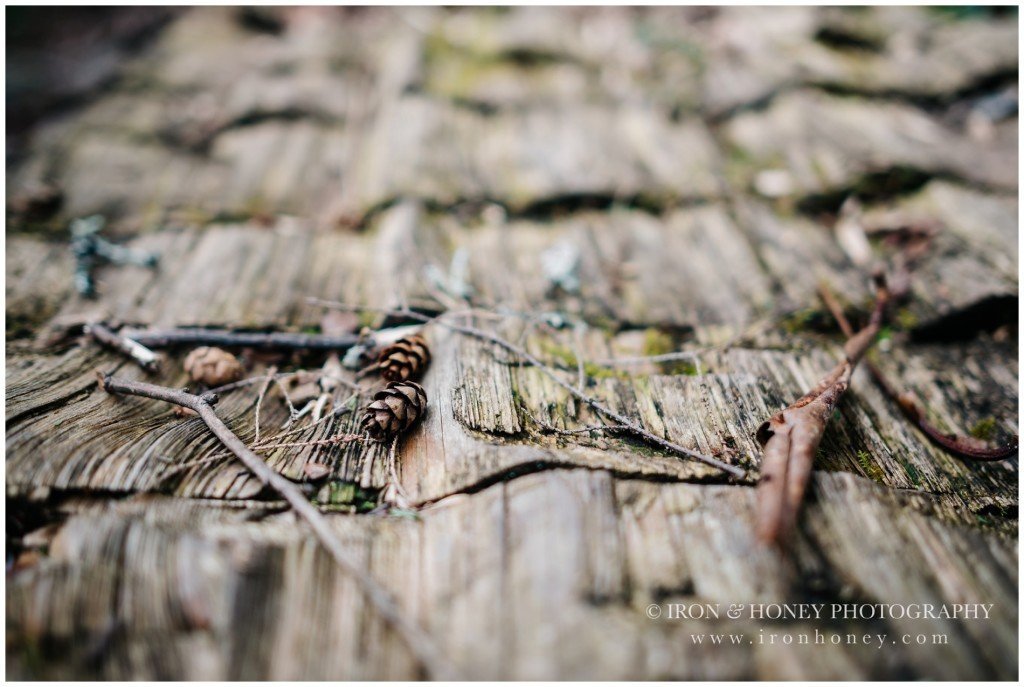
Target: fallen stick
791, 436
626, 423
422, 646
960, 446
146, 359
199, 336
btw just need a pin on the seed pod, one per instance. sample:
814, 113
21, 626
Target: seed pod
404, 359
394, 409
213, 366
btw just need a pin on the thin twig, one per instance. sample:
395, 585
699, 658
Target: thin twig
198, 336
259, 400
329, 441
146, 359
613, 362
345, 307
548, 428
619, 418
426, 319
339, 409
292, 412
420, 643
957, 445
254, 380
278, 379
832, 303
583, 430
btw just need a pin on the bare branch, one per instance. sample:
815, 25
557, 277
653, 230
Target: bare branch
146, 359
197, 336
421, 644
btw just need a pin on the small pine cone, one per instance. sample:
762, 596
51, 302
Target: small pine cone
213, 366
394, 409
405, 358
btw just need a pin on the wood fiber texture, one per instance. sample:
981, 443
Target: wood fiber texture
692, 163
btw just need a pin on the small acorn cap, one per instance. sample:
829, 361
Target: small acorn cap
213, 366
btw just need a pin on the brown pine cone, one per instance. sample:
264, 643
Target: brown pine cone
213, 366
405, 358
394, 409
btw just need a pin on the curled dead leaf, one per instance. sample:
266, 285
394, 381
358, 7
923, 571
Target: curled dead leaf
791, 437
213, 366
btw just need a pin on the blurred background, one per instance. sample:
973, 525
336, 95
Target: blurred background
160, 118
183, 111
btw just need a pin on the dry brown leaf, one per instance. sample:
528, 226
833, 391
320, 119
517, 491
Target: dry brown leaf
791, 436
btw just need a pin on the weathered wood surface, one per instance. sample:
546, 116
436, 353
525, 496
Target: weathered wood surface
692, 163
542, 576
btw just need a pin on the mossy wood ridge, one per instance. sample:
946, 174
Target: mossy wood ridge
694, 188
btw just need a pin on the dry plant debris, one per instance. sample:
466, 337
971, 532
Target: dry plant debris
961, 446
623, 423
791, 436
213, 366
203, 336
102, 334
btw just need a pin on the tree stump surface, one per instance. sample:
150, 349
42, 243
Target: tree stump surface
693, 164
